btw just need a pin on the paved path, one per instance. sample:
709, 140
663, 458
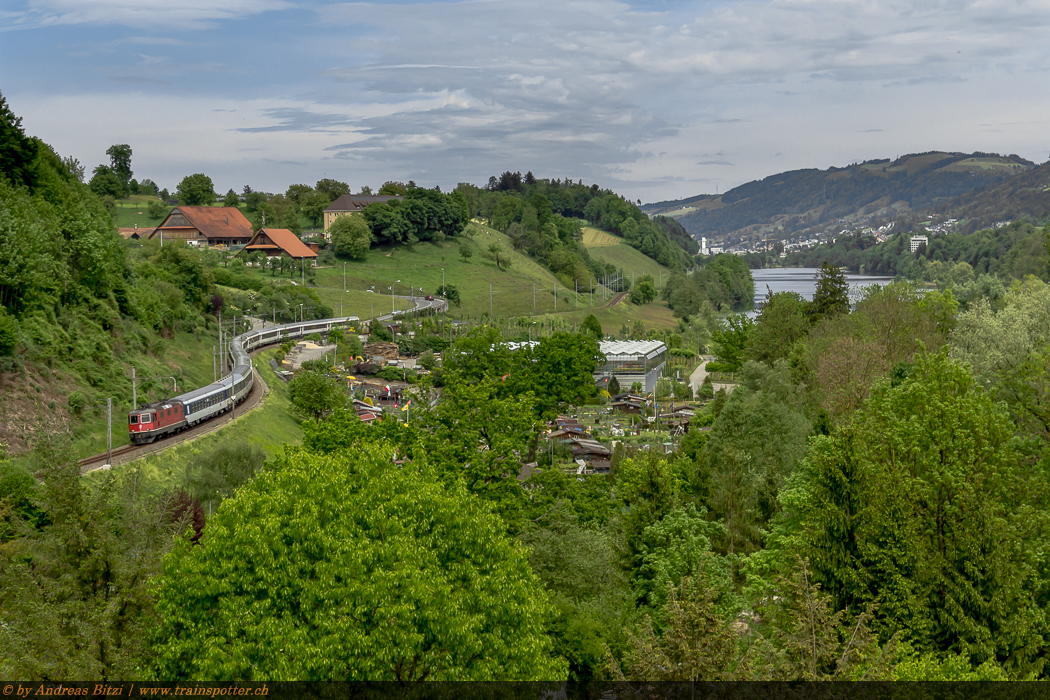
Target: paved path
698, 375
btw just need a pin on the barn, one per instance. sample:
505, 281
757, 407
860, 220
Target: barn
211, 226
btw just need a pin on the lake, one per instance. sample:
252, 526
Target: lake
803, 280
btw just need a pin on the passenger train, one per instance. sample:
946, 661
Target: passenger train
173, 415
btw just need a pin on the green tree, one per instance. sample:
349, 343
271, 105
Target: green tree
231, 199
156, 209
312, 205
781, 324
694, 644
924, 504
196, 190
104, 182
731, 342
832, 293
578, 566
1010, 351
678, 546
351, 236
17, 152
560, 370
644, 290
450, 293
120, 165
614, 386
592, 326
495, 249
479, 433
331, 189
359, 586
465, 251
75, 597
756, 441
313, 394
392, 188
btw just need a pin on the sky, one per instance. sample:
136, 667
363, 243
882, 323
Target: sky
655, 100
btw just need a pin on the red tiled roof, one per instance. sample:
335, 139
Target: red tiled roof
214, 222
285, 239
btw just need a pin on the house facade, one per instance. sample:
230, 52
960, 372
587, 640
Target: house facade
279, 241
347, 204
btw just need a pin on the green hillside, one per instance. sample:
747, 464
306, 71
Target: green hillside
612, 249
420, 266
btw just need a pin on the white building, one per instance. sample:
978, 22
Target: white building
703, 246
632, 361
917, 241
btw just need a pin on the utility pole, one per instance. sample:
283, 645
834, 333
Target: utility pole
222, 355
109, 432
214, 368
344, 277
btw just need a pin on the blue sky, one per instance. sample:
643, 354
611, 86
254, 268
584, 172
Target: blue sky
656, 100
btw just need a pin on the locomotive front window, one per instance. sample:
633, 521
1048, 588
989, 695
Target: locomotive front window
133, 419
145, 418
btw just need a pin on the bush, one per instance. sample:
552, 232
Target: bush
77, 402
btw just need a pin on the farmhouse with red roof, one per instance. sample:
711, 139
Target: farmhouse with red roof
211, 226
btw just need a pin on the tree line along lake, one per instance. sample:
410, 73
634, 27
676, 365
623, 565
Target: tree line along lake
803, 280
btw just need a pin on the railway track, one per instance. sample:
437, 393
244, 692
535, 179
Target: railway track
615, 300
128, 453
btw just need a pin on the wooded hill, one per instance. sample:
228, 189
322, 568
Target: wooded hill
905, 190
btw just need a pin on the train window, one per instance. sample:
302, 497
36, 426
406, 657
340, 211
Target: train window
134, 419
145, 418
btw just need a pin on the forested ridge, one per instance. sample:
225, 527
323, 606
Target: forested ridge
981, 187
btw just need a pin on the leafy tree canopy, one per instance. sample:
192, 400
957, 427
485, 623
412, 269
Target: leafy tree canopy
195, 190
351, 236
387, 575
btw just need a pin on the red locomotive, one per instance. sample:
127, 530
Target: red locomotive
156, 420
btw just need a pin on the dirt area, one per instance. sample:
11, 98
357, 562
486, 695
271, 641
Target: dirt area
33, 403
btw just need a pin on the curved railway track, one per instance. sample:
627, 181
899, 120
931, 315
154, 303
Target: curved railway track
128, 453
615, 300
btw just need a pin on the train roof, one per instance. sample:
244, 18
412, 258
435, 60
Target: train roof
166, 403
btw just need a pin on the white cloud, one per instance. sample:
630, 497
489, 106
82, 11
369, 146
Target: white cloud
176, 14
655, 103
